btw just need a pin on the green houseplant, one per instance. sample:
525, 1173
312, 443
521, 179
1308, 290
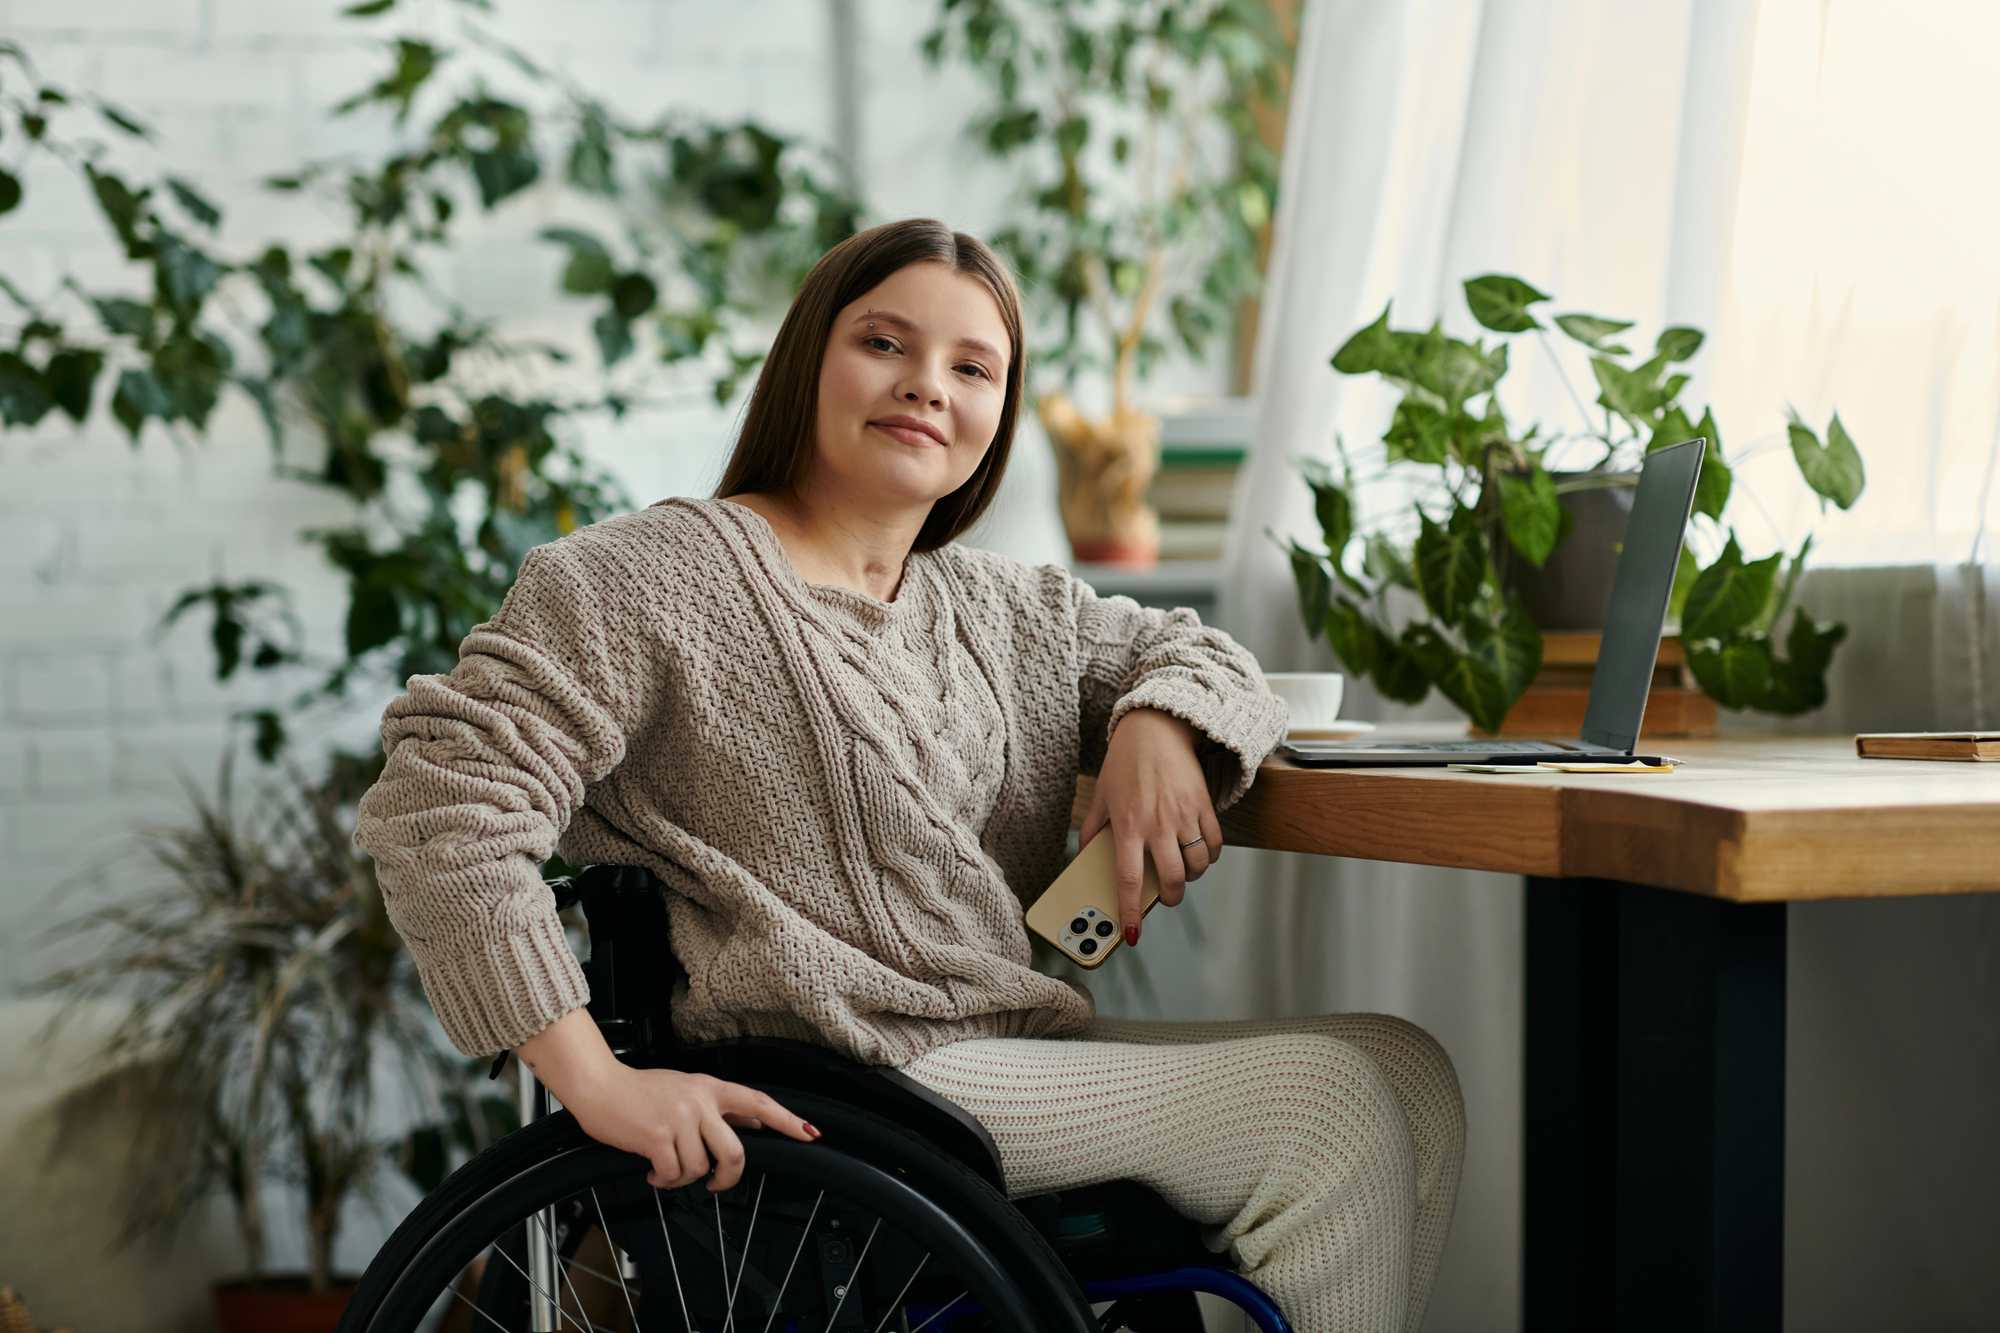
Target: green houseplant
1146, 189
450, 440
1486, 504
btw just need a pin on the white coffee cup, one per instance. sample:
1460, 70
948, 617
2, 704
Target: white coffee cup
1314, 696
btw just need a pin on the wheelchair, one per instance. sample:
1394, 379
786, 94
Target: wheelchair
895, 1219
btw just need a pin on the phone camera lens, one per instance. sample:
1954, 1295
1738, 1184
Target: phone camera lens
1105, 928
1087, 947
1079, 927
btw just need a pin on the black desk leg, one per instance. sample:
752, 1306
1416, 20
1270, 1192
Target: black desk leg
1655, 1120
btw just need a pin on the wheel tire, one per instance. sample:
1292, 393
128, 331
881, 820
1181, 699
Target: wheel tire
552, 1161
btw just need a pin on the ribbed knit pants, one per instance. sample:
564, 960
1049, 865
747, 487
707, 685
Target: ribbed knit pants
1323, 1151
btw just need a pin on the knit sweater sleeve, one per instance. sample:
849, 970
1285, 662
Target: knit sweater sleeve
485, 768
1136, 657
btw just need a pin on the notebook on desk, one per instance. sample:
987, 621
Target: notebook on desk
1964, 746
1624, 673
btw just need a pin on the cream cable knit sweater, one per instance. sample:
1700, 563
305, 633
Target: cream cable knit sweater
849, 799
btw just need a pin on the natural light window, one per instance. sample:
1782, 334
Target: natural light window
1866, 274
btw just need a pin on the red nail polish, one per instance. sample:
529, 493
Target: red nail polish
810, 1130
1132, 936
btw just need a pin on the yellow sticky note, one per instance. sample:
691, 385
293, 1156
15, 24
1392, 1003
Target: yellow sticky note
1562, 767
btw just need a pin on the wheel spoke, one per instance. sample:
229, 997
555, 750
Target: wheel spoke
744, 1262
668, 1240
617, 1266
474, 1306
897, 1304
574, 1295
940, 1310
536, 1287
722, 1254
804, 1234
854, 1277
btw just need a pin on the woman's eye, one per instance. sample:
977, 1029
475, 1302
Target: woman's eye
969, 369
881, 344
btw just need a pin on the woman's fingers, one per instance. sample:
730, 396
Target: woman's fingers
740, 1104
694, 1155
1169, 866
726, 1148
1095, 818
1196, 859
1205, 853
666, 1173
1130, 852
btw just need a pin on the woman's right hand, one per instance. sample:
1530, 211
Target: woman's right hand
677, 1121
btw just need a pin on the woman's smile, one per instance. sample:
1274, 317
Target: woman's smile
910, 430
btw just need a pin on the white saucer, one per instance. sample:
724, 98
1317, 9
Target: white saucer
1334, 732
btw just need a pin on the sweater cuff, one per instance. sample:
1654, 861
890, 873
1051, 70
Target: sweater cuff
1241, 728
502, 991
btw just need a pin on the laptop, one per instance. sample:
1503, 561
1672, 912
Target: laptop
1625, 659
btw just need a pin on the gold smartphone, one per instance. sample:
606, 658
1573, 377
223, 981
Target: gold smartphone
1079, 912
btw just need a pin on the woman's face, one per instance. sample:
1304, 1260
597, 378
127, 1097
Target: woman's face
911, 388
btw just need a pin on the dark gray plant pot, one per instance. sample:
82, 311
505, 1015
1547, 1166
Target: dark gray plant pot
1572, 589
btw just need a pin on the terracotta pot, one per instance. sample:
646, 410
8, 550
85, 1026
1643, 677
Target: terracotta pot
1103, 470
279, 1304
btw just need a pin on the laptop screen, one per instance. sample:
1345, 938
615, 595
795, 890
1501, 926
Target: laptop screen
1639, 594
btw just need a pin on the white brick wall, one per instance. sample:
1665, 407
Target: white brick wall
102, 716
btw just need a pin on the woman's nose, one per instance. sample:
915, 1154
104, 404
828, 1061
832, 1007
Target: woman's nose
924, 387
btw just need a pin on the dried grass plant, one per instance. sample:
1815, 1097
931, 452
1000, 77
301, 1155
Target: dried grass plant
271, 1018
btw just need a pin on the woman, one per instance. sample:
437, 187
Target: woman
847, 744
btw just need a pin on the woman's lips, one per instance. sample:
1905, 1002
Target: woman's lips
909, 430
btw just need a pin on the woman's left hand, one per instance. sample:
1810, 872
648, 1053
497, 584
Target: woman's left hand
1152, 794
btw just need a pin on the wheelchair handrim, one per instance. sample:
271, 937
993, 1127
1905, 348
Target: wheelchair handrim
441, 1259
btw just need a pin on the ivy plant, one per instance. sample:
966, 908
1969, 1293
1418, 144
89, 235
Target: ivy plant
451, 440
1487, 504
1146, 184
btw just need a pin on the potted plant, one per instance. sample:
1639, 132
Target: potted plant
1147, 189
1436, 593
269, 1012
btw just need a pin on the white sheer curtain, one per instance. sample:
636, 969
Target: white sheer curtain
1810, 181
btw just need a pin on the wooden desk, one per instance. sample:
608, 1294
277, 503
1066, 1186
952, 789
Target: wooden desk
1655, 983
1749, 821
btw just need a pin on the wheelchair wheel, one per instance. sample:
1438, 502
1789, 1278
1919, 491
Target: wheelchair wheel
812, 1240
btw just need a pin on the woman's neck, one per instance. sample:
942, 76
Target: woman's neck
846, 546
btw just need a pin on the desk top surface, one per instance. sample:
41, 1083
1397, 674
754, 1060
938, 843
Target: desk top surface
1773, 819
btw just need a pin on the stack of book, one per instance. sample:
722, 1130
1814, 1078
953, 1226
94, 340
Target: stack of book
1964, 746
1200, 455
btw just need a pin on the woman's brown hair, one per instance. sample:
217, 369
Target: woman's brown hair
775, 450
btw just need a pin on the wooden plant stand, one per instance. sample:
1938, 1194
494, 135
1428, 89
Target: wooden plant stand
1554, 704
